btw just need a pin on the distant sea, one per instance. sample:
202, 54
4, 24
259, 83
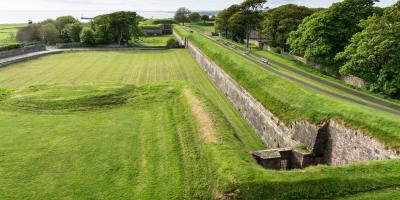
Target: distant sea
8, 17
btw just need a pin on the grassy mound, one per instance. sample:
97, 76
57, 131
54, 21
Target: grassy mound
56, 97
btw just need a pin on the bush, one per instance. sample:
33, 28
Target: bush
71, 32
173, 43
11, 46
29, 33
49, 33
87, 37
62, 21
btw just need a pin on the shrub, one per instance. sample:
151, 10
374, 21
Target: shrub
173, 43
29, 33
49, 33
71, 32
62, 21
10, 46
87, 37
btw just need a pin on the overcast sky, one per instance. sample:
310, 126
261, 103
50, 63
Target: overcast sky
149, 5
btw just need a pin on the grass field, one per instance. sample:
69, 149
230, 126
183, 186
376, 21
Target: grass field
152, 41
135, 125
8, 33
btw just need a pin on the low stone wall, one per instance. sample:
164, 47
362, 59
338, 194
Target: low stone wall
354, 81
333, 141
69, 45
21, 51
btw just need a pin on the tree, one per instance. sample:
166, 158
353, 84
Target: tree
252, 16
29, 34
182, 15
118, 27
280, 21
64, 20
205, 18
237, 28
322, 35
88, 37
222, 20
124, 26
374, 53
71, 32
194, 17
49, 33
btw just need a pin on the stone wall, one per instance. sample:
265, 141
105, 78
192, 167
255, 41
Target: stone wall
347, 146
336, 143
21, 51
354, 81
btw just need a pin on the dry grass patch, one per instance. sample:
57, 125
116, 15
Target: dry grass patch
205, 121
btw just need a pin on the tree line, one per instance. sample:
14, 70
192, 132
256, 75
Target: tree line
114, 28
184, 15
352, 37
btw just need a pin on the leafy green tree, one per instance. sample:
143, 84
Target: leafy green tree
205, 18
124, 26
223, 18
252, 16
88, 37
182, 15
237, 27
118, 27
64, 20
194, 17
280, 21
29, 33
322, 35
49, 33
374, 53
71, 32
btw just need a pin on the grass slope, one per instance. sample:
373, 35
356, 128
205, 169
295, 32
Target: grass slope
147, 147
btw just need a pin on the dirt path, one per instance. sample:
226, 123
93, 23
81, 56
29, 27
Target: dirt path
205, 122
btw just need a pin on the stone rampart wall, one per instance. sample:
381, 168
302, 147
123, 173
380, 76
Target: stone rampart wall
340, 145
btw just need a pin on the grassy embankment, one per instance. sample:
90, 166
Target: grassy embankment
288, 62
8, 33
299, 103
82, 133
387, 194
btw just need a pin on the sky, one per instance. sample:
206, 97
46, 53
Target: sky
150, 5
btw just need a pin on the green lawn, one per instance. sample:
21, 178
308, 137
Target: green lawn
8, 33
119, 125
